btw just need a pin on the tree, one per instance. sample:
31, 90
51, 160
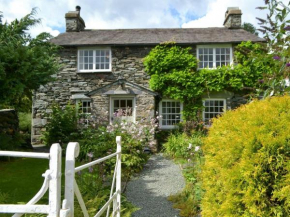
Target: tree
25, 62
250, 28
276, 30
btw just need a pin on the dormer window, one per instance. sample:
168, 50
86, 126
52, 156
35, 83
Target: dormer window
94, 60
213, 56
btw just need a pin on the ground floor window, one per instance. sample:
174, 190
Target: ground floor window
85, 107
84, 110
123, 108
170, 111
213, 108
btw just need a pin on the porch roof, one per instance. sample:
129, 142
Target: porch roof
121, 81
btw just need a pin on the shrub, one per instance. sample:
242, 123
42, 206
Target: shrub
62, 125
25, 122
102, 141
186, 149
247, 167
181, 146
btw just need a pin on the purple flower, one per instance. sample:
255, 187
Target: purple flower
276, 57
91, 169
287, 28
261, 81
287, 64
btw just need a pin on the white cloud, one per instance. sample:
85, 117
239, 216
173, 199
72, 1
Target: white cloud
118, 14
216, 13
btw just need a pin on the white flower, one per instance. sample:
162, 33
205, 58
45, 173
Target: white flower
197, 148
189, 146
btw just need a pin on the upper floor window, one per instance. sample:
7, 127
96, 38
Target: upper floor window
170, 111
94, 60
214, 56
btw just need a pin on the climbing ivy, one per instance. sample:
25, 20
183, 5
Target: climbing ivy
174, 74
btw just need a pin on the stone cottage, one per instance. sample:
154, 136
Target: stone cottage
103, 70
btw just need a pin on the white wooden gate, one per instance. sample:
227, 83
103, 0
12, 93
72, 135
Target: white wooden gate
72, 188
52, 181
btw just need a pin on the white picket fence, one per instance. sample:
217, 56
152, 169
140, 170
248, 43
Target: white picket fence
52, 182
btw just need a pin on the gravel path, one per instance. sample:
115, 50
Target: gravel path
149, 191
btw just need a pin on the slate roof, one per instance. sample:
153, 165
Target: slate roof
119, 82
120, 37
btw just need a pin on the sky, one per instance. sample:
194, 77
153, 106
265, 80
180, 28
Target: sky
125, 14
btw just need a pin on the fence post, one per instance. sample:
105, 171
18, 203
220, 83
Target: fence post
118, 175
72, 152
55, 182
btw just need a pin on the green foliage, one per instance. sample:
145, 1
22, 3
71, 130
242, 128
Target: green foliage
276, 30
186, 151
24, 121
247, 152
96, 194
10, 142
99, 142
25, 62
174, 74
250, 28
62, 125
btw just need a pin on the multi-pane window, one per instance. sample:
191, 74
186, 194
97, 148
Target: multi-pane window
85, 107
123, 108
213, 108
170, 111
212, 57
123, 105
94, 60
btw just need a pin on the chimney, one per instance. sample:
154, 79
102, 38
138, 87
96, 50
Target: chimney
233, 18
73, 21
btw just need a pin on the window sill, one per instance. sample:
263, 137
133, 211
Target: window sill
167, 127
103, 71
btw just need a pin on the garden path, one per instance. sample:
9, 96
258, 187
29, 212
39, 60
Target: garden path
159, 179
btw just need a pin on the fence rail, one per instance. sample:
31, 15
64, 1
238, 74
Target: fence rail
52, 182
71, 187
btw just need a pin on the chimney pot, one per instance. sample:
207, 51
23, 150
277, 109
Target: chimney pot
74, 22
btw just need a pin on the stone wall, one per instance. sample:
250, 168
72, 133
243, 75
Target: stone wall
126, 62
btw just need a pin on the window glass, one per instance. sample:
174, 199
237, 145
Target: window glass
123, 107
212, 108
170, 112
99, 59
213, 57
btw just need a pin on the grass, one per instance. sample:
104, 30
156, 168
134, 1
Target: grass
22, 178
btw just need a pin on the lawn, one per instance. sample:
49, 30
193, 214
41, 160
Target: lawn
21, 179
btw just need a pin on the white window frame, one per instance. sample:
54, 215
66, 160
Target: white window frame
161, 126
94, 60
214, 53
84, 100
120, 97
212, 99
78, 101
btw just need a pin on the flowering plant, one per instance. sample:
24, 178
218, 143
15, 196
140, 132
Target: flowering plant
276, 31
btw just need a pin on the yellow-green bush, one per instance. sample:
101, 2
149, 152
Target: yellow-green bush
247, 161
